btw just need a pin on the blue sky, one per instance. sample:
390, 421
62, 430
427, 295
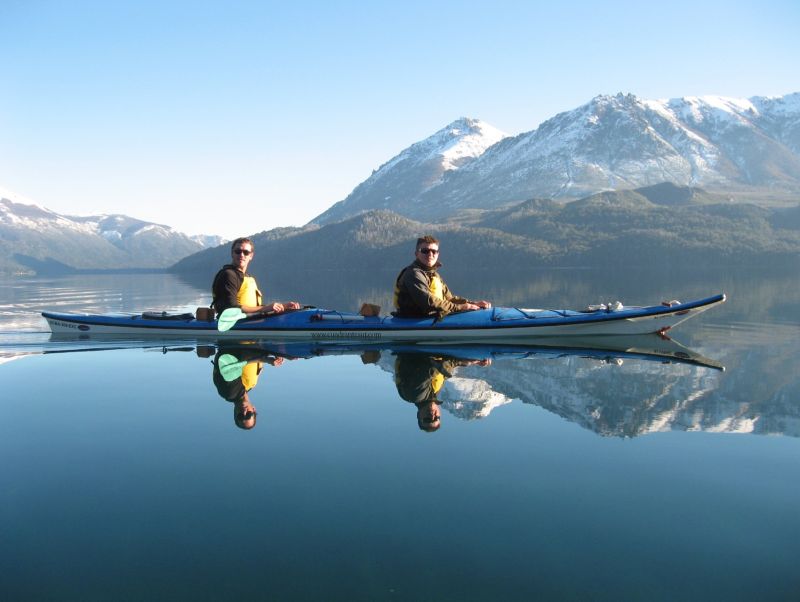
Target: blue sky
235, 117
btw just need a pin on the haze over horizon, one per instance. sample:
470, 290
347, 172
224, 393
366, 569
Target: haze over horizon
239, 118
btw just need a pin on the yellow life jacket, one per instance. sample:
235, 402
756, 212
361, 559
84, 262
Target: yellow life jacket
437, 380
248, 293
250, 375
436, 287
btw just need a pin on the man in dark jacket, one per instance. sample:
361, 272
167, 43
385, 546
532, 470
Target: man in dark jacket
236, 372
234, 287
420, 291
419, 377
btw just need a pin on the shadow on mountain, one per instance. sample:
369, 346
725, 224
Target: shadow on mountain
44, 267
53, 267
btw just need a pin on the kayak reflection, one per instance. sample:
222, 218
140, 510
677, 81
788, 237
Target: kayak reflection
419, 378
614, 386
236, 373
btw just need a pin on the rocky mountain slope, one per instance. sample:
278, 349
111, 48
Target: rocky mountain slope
400, 182
746, 148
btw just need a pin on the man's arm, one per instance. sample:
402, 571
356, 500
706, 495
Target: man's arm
462, 303
270, 308
226, 289
226, 292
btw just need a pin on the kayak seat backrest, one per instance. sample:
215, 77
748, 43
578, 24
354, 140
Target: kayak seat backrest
162, 315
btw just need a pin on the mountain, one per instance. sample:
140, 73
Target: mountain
656, 226
746, 148
36, 240
399, 183
655, 397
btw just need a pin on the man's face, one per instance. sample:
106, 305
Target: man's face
244, 414
429, 416
241, 255
428, 254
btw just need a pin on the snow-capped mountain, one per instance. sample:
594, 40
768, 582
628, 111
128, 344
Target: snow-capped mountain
35, 239
399, 183
610, 143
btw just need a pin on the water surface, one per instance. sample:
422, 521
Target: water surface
555, 473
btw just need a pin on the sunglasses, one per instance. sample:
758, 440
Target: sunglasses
246, 415
429, 251
244, 252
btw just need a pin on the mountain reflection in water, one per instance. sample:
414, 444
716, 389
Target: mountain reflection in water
614, 386
621, 386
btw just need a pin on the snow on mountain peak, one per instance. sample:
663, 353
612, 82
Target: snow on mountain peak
730, 105
788, 105
15, 206
12, 196
463, 139
717, 109
20, 212
469, 139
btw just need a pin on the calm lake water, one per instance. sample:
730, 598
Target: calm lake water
557, 473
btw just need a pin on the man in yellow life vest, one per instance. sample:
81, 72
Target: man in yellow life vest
234, 287
236, 372
419, 290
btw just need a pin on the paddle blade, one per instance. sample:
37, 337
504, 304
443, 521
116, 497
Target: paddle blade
229, 317
230, 368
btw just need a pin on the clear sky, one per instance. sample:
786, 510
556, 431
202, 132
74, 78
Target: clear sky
235, 117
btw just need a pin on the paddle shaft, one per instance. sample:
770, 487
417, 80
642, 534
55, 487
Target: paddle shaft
228, 318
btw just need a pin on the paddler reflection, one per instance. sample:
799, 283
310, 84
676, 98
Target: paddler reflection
419, 378
236, 372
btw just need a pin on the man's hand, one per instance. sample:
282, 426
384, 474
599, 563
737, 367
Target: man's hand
473, 305
484, 362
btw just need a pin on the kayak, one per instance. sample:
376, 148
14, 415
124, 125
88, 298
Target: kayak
330, 325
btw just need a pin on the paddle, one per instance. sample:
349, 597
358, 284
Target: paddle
230, 368
230, 316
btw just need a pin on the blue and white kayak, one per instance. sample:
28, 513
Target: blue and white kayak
329, 325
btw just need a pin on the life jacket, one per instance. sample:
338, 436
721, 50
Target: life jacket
248, 292
435, 287
437, 380
250, 374
419, 378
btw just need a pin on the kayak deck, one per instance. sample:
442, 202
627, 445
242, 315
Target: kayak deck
322, 324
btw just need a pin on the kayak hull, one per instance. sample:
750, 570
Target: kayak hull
325, 325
